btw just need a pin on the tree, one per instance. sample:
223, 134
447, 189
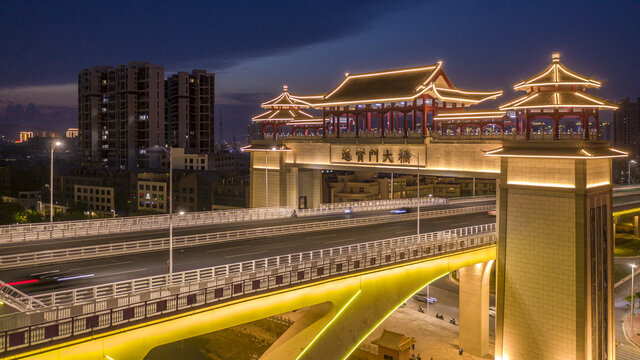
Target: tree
9, 212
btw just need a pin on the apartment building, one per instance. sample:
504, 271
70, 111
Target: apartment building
190, 110
121, 114
152, 192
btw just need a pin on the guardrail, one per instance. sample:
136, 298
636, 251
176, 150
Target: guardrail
150, 245
62, 229
105, 307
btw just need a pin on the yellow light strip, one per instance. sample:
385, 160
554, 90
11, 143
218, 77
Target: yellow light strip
533, 183
430, 76
598, 184
389, 314
329, 324
490, 95
377, 74
536, 78
589, 98
467, 170
593, 82
619, 151
518, 101
557, 156
561, 105
474, 113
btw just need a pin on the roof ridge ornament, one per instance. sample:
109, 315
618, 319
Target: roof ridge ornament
555, 57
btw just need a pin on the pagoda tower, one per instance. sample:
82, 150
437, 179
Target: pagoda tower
286, 110
557, 93
554, 296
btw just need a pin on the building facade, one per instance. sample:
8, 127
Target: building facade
152, 192
121, 114
626, 137
97, 198
190, 108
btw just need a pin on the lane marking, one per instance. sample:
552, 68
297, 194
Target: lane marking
121, 272
229, 248
95, 266
320, 236
249, 253
335, 241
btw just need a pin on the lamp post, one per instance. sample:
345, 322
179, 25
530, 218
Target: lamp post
53, 147
168, 151
418, 192
633, 270
629, 172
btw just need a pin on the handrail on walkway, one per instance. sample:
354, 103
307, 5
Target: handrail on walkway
77, 313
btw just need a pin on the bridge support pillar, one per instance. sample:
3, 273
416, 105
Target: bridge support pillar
474, 308
554, 297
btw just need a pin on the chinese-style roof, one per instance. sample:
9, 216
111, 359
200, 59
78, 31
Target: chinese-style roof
469, 115
290, 115
557, 75
589, 151
287, 108
393, 340
399, 85
558, 99
557, 87
471, 97
287, 100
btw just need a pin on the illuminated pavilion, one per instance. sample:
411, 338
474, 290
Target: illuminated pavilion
422, 101
286, 110
399, 102
558, 93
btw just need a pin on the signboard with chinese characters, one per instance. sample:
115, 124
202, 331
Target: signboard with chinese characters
396, 155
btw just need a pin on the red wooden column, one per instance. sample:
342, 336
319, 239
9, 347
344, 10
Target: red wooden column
324, 124
527, 125
424, 116
381, 123
405, 123
357, 124
348, 123
413, 116
596, 119
585, 125
337, 122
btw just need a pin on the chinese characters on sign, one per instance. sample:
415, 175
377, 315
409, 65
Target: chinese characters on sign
367, 154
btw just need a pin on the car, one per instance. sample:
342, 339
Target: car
492, 213
402, 210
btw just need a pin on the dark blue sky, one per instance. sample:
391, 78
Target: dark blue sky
257, 46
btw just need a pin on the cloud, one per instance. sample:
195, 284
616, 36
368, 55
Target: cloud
16, 117
64, 95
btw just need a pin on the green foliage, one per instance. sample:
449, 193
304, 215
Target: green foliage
9, 212
635, 296
29, 216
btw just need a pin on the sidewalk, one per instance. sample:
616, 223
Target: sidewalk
434, 337
632, 335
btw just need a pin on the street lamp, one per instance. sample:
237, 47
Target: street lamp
629, 172
53, 147
633, 270
168, 151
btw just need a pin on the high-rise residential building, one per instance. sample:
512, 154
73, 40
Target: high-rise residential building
121, 114
626, 127
626, 137
190, 110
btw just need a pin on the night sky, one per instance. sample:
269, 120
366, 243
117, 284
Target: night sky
257, 46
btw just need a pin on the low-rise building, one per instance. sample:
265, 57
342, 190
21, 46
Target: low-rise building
152, 190
71, 133
97, 198
25, 135
231, 192
195, 191
183, 161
